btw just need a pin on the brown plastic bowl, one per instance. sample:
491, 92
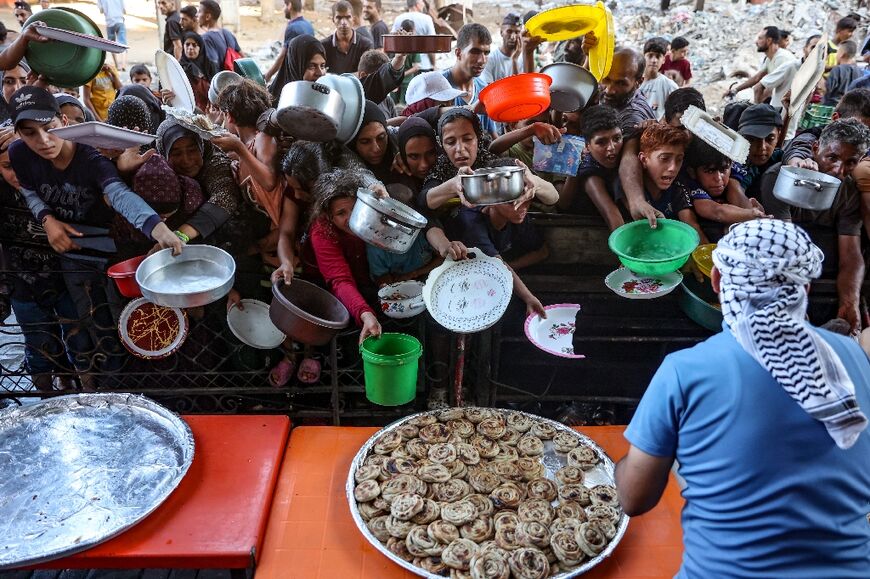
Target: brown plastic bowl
417, 44
306, 313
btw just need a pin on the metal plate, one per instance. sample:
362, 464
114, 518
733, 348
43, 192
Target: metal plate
103, 136
80, 469
185, 119
166, 328
553, 461
79, 39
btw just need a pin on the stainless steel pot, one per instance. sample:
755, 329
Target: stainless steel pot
806, 189
493, 186
306, 313
572, 86
222, 79
385, 223
310, 111
201, 275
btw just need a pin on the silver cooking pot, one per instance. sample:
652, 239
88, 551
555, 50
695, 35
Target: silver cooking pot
199, 276
385, 223
309, 111
493, 186
806, 189
572, 86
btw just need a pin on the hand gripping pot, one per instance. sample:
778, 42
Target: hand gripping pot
806, 189
385, 223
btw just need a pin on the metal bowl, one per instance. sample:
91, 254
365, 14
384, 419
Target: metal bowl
201, 275
306, 313
493, 186
572, 86
385, 223
311, 111
219, 81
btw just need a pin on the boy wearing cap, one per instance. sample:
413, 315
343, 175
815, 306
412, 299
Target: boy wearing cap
508, 59
761, 126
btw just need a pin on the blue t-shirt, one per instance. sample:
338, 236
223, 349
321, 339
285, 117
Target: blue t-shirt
768, 492
473, 227
382, 262
297, 27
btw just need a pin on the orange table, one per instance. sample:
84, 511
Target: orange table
311, 533
216, 517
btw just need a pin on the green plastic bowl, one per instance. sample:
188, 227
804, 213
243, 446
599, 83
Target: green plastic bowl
64, 64
700, 311
248, 68
647, 251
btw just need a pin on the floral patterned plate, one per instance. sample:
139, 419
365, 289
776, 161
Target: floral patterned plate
634, 287
555, 335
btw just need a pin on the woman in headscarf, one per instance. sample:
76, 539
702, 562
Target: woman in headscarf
373, 144
129, 112
147, 97
305, 60
197, 68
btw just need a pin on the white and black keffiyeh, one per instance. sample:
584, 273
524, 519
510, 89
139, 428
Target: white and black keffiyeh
765, 266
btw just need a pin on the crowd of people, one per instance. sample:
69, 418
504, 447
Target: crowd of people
282, 205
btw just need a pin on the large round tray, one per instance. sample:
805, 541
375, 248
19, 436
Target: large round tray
80, 469
603, 473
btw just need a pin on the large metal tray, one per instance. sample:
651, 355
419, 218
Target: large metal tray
80, 469
553, 461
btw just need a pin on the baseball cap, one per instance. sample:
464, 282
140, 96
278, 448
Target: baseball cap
32, 103
432, 85
512, 19
759, 121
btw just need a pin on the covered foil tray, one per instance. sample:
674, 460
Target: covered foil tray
80, 469
602, 474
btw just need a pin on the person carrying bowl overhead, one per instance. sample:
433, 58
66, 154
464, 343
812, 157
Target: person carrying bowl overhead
767, 421
465, 148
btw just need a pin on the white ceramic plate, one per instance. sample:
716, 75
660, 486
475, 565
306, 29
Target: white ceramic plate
103, 135
172, 77
554, 335
626, 284
252, 325
165, 329
470, 295
79, 39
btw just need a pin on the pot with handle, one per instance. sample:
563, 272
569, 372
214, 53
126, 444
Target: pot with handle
806, 189
493, 186
310, 111
385, 223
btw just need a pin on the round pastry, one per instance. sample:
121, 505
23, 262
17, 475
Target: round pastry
394, 466
449, 414
566, 525
485, 447
478, 530
542, 488
531, 468
490, 565
380, 504
378, 527
591, 539
434, 433
506, 537
377, 460
506, 469
510, 437
431, 512
570, 510
422, 420
452, 490
417, 448
491, 546
388, 442
507, 495
505, 452
528, 563
400, 452
406, 505
457, 469
401, 483
458, 554
467, 453
442, 452
433, 473
602, 512
442, 531
533, 534
420, 544
366, 491
565, 442
530, 445
519, 422
477, 415
408, 431
482, 504
607, 527
543, 430
493, 428
430, 564
484, 481
505, 518
463, 428
577, 493
570, 475
604, 495
398, 528
367, 472
566, 549
584, 457
458, 513
538, 510
397, 547
459, 574
369, 510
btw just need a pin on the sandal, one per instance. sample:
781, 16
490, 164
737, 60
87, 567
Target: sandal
281, 373
309, 371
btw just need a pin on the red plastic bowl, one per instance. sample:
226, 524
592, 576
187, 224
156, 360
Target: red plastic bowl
517, 97
124, 274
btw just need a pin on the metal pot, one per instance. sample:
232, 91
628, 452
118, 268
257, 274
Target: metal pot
493, 186
417, 43
806, 189
385, 223
306, 313
310, 111
572, 86
219, 81
202, 274
402, 300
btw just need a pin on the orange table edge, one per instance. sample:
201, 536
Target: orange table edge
217, 516
311, 533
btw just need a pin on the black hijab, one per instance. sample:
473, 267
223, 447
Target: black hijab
374, 114
199, 66
147, 97
300, 51
414, 127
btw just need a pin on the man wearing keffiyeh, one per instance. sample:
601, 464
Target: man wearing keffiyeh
766, 421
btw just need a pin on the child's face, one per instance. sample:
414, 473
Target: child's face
143, 79
843, 35
662, 165
339, 212
6, 170
654, 61
713, 179
39, 140
74, 115
760, 150
605, 147
680, 54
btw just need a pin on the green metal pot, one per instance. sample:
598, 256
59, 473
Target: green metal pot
699, 311
64, 64
647, 251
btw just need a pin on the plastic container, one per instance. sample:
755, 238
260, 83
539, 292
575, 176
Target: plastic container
700, 311
518, 97
64, 64
124, 274
703, 258
390, 368
647, 251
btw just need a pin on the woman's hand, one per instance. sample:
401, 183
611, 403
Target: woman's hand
7, 135
167, 239
285, 272
399, 166
590, 41
455, 185
130, 161
547, 133
534, 306
371, 326
59, 234
379, 190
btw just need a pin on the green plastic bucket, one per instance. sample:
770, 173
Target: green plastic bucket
390, 368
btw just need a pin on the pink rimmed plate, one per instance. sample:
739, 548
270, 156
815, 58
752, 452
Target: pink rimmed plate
554, 335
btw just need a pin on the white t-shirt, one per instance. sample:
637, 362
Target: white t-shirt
423, 25
499, 66
656, 91
780, 71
